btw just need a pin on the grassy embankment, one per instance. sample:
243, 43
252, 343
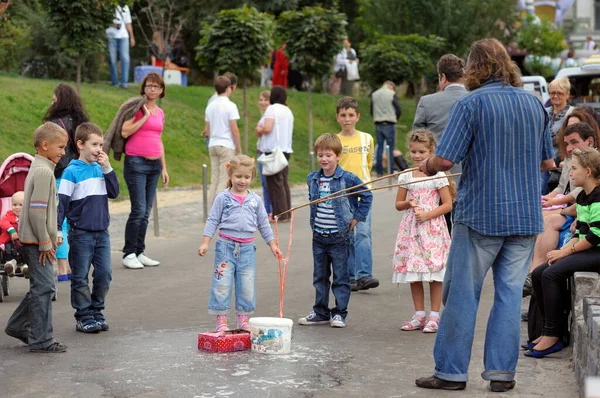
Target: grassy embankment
23, 103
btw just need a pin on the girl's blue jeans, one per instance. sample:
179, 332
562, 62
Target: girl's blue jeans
235, 263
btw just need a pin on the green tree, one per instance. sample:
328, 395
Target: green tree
314, 36
238, 41
81, 24
540, 39
14, 40
460, 22
400, 58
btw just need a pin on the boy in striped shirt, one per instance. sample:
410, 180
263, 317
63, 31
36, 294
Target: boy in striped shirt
86, 186
332, 221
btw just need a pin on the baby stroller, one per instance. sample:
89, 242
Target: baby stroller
12, 179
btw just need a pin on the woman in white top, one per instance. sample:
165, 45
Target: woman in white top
277, 128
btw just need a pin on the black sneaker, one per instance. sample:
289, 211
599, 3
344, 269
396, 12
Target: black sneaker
367, 283
103, 325
354, 286
88, 326
55, 347
502, 386
313, 319
435, 383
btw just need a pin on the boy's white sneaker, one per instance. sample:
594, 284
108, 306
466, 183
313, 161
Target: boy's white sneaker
147, 262
130, 261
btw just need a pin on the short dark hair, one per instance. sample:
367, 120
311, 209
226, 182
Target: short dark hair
222, 83
153, 77
584, 130
232, 78
278, 95
346, 103
85, 130
452, 67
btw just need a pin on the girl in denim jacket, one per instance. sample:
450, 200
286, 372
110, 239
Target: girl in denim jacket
237, 213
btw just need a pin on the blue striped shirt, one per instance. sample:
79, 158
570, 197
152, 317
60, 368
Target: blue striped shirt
325, 219
500, 135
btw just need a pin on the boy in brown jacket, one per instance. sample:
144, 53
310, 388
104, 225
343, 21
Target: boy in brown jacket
32, 320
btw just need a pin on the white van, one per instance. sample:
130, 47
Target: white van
536, 85
585, 85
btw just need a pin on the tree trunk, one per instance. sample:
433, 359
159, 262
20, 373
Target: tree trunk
79, 61
310, 126
245, 120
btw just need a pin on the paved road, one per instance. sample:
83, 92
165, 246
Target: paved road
155, 315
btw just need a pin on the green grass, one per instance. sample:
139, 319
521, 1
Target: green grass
24, 101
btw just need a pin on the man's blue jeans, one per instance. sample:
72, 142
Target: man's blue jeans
141, 176
360, 257
32, 319
235, 263
87, 248
471, 256
122, 46
385, 132
330, 254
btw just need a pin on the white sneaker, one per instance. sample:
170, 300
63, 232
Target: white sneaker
147, 262
130, 261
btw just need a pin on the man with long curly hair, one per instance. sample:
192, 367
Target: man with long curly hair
499, 133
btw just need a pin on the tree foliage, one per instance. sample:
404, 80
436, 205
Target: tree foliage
400, 58
460, 22
14, 40
81, 24
542, 42
314, 36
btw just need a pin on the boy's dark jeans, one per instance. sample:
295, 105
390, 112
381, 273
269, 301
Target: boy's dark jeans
86, 248
32, 320
330, 253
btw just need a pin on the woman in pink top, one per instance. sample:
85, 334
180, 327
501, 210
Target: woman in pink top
144, 165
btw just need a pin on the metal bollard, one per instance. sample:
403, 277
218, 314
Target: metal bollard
155, 215
205, 192
312, 160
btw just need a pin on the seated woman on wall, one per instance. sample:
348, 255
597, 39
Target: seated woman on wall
581, 254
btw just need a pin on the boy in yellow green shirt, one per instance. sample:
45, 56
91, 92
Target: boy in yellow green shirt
357, 157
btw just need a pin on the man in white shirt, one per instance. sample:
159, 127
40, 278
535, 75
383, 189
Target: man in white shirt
233, 80
120, 37
221, 118
589, 44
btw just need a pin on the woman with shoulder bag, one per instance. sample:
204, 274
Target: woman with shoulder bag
68, 112
276, 139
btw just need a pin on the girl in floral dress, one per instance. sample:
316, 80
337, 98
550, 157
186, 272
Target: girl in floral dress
423, 241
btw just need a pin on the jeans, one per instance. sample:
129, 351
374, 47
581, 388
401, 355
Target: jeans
141, 176
471, 256
234, 262
549, 285
330, 255
385, 132
87, 248
122, 46
219, 157
265, 189
360, 257
33, 317
279, 191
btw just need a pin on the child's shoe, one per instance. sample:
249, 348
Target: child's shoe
432, 325
222, 323
416, 323
242, 322
312, 319
88, 326
63, 278
9, 267
337, 321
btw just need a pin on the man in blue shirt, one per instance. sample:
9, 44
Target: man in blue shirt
499, 133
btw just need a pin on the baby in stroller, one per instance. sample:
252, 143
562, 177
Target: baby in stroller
9, 239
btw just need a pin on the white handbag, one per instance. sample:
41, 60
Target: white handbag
275, 161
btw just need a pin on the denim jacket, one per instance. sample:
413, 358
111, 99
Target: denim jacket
239, 221
347, 208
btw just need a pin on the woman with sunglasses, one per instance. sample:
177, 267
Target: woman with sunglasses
144, 165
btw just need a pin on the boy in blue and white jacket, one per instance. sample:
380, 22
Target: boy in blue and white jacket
86, 186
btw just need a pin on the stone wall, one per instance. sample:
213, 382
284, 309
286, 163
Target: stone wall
585, 326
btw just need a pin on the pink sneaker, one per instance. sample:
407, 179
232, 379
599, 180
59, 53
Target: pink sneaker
222, 323
242, 322
432, 325
416, 323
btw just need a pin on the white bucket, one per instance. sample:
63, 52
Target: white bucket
271, 335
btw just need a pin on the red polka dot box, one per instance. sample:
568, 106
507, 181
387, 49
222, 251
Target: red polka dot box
230, 340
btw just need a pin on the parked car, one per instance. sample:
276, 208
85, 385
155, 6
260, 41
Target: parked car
585, 85
537, 85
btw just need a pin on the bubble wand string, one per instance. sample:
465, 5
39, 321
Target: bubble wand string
285, 261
